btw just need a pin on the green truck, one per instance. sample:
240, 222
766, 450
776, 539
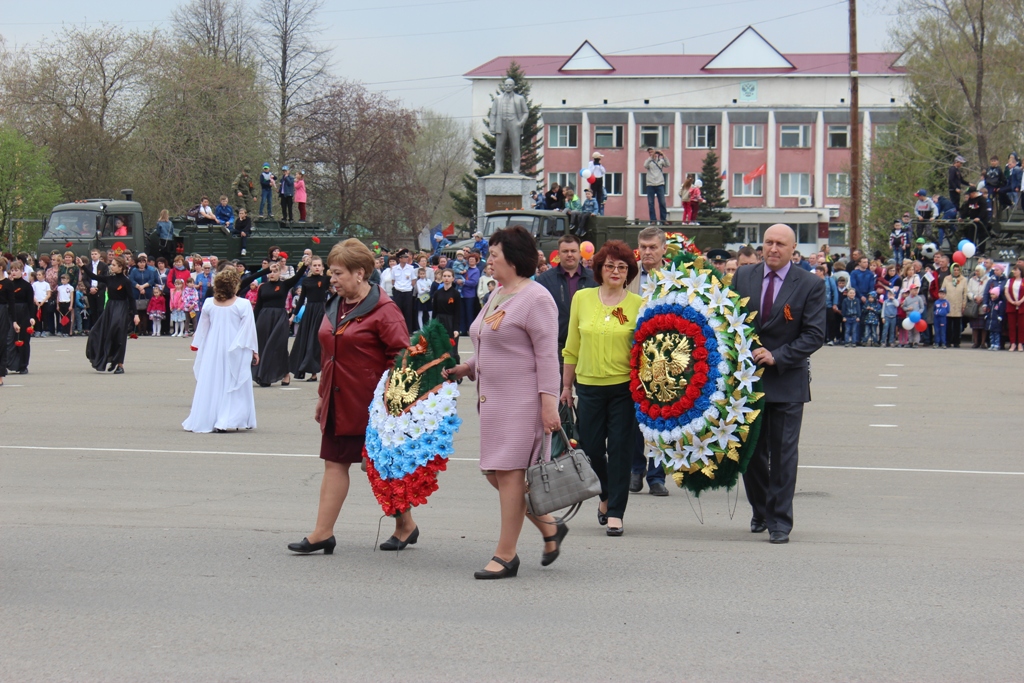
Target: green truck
119, 225
548, 226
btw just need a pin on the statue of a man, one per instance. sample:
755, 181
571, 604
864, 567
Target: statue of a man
508, 116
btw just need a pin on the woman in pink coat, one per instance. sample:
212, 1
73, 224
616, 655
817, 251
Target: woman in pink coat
515, 367
300, 194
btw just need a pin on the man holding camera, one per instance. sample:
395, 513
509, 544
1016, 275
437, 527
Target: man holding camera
655, 165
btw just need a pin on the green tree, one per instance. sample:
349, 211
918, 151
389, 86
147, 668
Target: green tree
713, 210
28, 188
483, 147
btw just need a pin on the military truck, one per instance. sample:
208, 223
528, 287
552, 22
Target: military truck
548, 226
119, 225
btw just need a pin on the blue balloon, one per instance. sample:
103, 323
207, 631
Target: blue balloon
960, 247
915, 316
581, 172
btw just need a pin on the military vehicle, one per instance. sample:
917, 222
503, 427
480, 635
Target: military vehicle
119, 225
548, 226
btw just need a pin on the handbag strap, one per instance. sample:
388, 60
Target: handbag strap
547, 442
573, 509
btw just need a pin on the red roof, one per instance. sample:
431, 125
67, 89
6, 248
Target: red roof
823, 63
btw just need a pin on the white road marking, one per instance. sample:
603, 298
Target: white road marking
894, 365
888, 375
886, 387
314, 455
885, 405
291, 388
883, 425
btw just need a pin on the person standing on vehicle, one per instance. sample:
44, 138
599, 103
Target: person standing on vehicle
955, 180
267, 182
655, 165
597, 171
243, 191
287, 193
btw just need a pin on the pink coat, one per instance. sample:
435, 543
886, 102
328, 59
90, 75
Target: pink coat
300, 191
512, 367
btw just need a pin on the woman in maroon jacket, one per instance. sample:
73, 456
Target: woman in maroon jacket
361, 333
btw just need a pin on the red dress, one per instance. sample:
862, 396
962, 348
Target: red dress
354, 356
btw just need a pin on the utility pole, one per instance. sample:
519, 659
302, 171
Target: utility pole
855, 145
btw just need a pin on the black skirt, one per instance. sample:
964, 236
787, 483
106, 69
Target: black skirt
6, 339
272, 335
305, 355
108, 335
18, 356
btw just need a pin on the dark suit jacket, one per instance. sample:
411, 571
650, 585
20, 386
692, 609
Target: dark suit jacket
791, 341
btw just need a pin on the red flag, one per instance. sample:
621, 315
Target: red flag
757, 173
449, 231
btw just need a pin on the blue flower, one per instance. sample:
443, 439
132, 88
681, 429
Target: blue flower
702, 404
714, 358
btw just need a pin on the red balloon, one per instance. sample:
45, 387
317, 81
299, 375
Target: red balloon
959, 258
593, 179
921, 326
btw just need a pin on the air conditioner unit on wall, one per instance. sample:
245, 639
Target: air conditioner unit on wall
805, 201
833, 211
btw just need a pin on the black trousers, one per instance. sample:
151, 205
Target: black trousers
406, 303
954, 331
606, 419
286, 207
770, 479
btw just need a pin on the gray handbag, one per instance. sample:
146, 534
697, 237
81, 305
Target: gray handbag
562, 482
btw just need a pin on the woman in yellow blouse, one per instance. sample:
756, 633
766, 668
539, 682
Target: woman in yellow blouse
597, 353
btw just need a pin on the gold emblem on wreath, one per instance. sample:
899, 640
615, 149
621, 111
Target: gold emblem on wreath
403, 389
663, 359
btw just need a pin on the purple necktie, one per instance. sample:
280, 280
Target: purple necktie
769, 298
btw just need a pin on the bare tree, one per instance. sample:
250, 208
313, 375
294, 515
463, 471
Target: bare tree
440, 156
220, 29
296, 66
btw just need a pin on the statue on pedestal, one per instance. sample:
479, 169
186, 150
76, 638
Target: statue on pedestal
508, 116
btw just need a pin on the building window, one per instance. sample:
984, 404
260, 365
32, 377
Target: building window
742, 189
612, 184
794, 184
838, 137
642, 184
747, 234
564, 180
748, 136
654, 136
562, 136
838, 185
607, 136
793, 136
885, 134
701, 137
806, 233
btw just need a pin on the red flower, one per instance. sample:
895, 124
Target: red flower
655, 412
700, 353
30, 330
701, 368
19, 343
68, 245
316, 240
133, 336
692, 392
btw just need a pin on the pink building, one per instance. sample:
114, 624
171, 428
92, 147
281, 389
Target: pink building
751, 104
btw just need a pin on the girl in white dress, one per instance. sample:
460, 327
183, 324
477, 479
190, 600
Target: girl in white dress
226, 347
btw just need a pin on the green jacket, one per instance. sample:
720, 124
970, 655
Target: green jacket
243, 184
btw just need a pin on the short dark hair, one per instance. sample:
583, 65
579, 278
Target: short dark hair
747, 251
619, 251
566, 239
518, 248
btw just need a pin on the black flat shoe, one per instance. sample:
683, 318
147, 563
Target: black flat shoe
264, 384
614, 531
394, 544
548, 558
306, 547
508, 569
118, 370
311, 379
300, 375
602, 517
110, 368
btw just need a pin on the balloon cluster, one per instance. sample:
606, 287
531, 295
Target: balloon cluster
965, 250
914, 321
588, 175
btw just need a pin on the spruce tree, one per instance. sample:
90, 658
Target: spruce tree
464, 201
713, 211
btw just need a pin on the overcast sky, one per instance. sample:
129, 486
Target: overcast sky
418, 49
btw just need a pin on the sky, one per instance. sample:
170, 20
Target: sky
417, 50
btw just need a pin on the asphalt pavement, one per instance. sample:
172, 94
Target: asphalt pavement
131, 550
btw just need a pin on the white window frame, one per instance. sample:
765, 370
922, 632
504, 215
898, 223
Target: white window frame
642, 184
838, 130
748, 136
803, 181
756, 188
836, 182
884, 131
563, 136
698, 132
563, 180
802, 132
661, 131
614, 130
612, 179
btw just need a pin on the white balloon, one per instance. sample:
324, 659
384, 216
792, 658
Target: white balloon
908, 324
586, 173
969, 250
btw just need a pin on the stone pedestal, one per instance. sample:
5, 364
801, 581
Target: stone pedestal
502, 191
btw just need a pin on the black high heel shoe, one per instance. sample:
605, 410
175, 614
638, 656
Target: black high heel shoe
306, 547
548, 558
508, 569
394, 544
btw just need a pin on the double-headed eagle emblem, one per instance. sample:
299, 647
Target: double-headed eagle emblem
663, 359
403, 389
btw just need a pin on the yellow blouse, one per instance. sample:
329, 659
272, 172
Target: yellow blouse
598, 344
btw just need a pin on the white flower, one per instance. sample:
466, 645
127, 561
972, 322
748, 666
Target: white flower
697, 282
668, 277
717, 396
738, 410
699, 449
431, 423
449, 390
723, 433
418, 411
415, 431
431, 403
745, 377
724, 369
735, 320
647, 291
718, 300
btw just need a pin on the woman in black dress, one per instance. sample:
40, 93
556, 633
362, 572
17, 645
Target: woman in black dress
305, 355
21, 308
108, 337
272, 327
6, 327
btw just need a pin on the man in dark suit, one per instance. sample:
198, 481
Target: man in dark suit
94, 288
790, 322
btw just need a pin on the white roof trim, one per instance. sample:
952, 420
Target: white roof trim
586, 58
749, 50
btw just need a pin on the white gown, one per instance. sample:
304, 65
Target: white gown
225, 342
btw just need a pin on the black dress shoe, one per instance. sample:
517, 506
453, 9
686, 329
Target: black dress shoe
306, 547
636, 482
300, 375
778, 537
508, 569
110, 368
560, 531
118, 370
614, 531
602, 517
658, 489
394, 544
757, 526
